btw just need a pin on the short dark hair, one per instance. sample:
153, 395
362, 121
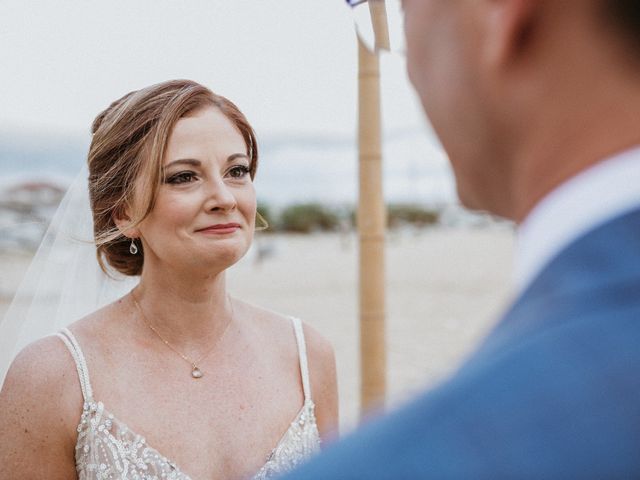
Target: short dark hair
624, 16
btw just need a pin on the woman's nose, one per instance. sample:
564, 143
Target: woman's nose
219, 196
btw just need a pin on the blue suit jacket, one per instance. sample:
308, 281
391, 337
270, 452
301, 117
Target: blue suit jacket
554, 392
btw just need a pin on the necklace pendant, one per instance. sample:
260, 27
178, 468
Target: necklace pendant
196, 372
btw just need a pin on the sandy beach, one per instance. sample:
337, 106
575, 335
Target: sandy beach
445, 288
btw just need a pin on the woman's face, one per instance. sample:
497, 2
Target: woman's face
204, 214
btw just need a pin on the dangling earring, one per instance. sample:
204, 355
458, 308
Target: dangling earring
261, 223
133, 248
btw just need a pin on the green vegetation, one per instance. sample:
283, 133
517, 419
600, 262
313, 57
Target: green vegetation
403, 214
307, 218
315, 217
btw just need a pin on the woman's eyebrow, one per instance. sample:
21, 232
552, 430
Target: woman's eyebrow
237, 155
188, 161
196, 163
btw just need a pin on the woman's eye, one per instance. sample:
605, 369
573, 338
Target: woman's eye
182, 177
239, 171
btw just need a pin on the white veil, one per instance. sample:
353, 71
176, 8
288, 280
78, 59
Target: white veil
64, 281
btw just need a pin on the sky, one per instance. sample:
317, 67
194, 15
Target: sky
288, 64
291, 66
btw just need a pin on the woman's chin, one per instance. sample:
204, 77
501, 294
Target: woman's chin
220, 258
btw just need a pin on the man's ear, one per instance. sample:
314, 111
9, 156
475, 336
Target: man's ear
122, 219
509, 28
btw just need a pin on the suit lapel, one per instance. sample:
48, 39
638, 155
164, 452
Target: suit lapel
578, 278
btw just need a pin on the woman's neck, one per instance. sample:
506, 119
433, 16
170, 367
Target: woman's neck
186, 310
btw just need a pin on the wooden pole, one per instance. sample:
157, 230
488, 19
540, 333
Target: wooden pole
378, 13
371, 227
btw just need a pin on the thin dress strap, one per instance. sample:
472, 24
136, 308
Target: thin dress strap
302, 352
81, 364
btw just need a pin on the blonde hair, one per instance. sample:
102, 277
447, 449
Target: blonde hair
126, 157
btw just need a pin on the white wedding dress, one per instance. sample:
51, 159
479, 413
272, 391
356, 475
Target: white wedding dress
107, 449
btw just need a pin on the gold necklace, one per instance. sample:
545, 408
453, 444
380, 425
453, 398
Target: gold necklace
196, 372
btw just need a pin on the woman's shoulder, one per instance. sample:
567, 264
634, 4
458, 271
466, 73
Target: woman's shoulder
42, 365
262, 321
40, 406
43, 381
99, 318
46, 365
320, 361
101, 327
271, 322
42, 386
320, 353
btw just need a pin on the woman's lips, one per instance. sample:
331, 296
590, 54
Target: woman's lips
220, 229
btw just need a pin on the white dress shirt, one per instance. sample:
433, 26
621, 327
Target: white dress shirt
602, 192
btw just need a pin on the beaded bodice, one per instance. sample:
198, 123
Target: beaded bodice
106, 449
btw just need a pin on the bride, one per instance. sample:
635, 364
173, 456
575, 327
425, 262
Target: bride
176, 379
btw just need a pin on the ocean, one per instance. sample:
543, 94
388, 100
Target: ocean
293, 168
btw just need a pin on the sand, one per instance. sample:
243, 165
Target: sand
446, 288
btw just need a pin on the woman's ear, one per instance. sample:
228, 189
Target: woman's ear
122, 219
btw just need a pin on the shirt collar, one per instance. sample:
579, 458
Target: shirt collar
604, 191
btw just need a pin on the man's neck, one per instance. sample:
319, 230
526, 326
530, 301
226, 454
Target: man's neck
562, 149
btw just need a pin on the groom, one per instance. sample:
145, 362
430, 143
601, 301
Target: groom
537, 103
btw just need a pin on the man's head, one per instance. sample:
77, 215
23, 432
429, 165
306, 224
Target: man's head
525, 93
